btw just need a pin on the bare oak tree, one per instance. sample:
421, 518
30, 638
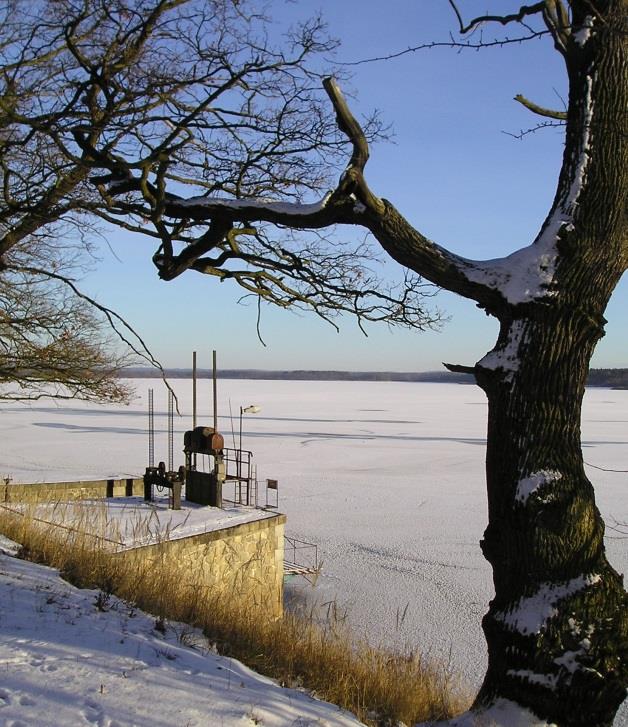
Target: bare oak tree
55, 341
196, 93
557, 629
52, 343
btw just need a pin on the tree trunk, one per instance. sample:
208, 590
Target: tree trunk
557, 629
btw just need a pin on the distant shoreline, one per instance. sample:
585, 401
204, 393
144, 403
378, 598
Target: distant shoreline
612, 378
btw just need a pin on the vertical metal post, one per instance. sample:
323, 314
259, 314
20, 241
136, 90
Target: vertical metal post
215, 395
170, 431
256, 484
239, 454
193, 389
151, 430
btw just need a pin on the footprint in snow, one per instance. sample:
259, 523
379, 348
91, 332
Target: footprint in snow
5, 698
93, 713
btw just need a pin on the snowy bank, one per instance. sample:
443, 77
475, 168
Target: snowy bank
69, 657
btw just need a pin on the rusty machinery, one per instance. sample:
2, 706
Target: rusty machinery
204, 488
204, 482
203, 479
201, 487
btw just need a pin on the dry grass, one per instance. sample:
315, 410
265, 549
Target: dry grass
380, 687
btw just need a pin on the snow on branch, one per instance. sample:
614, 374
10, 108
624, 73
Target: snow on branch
251, 205
529, 273
242, 236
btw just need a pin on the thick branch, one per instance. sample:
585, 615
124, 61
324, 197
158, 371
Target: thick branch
335, 207
556, 18
540, 110
30, 222
353, 179
459, 368
404, 243
172, 266
413, 250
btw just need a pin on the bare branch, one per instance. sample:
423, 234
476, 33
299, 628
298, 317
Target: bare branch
116, 322
454, 44
52, 344
158, 101
557, 20
531, 106
352, 180
524, 11
111, 315
533, 129
460, 368
259, 320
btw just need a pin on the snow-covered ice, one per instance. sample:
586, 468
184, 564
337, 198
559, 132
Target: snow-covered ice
503, 712
386, 477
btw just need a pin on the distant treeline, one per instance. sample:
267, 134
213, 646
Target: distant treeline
612, 378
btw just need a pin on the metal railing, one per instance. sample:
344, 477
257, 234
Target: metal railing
300, 557
240, 472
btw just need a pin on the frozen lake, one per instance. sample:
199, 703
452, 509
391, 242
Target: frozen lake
386, 477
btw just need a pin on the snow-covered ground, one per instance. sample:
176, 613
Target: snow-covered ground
68, 659
130, 522
387, 479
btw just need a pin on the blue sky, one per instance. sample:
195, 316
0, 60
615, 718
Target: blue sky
450, 169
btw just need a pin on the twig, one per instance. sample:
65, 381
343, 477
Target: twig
112, 317
604, 469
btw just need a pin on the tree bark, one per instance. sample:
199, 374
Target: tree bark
557, 629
